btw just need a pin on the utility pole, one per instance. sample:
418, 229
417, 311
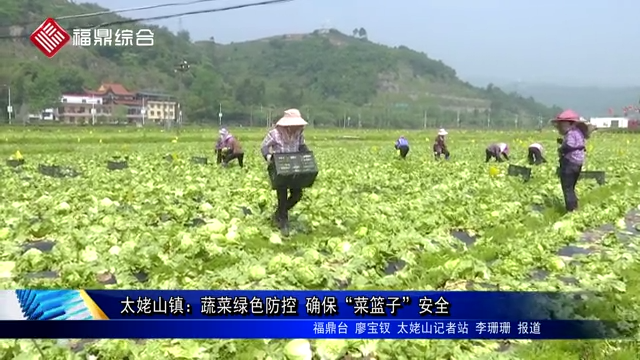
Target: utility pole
516, 121
220, 115
9, 106
93, 110
143, 111
539, 122
489, 118
425, 119
180, 69
458, 117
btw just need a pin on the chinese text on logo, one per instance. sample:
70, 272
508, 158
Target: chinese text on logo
50, 37
110, 37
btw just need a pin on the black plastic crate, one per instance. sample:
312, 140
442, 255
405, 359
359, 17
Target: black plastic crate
522, 171
15, 162
598, 176
57, 171
117, 164
201, 160
293, 170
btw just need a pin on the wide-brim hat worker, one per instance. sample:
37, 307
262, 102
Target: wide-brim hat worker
286, 137
440, 145
572, 153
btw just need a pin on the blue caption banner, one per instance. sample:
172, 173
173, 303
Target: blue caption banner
180, 305
306, 329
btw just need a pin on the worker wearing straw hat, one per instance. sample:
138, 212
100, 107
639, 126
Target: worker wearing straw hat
440, 145
572, 153
285, 137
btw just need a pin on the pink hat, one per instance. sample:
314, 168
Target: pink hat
292, 117
567, 115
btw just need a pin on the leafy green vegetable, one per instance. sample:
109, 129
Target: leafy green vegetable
370, 222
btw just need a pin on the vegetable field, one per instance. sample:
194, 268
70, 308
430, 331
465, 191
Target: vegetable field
371, 221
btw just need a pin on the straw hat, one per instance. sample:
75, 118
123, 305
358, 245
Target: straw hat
568, 116
292, 117
573, 117
442, 132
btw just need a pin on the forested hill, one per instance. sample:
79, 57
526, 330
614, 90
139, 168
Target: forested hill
329, 75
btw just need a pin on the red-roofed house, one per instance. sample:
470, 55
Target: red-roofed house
114, 100
115, 95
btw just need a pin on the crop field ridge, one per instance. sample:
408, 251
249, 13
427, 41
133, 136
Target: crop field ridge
371, 221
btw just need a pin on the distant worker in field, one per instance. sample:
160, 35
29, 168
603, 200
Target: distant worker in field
440, 145
232, 150
402, 145
497, 151
223, 136
535, 156
572, 153
285, 137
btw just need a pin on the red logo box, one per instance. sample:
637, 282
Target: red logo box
50, 37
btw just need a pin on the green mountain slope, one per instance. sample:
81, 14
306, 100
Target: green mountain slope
330, 76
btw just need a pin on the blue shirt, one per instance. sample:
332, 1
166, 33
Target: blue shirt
402, 142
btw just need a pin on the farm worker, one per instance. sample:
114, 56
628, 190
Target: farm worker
223, 135
402, 145
497, 151
285, 137
572, 153
234, 151
440, 145
535, 154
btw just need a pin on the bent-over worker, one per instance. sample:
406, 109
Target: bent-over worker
497, 151
402, 145
285, 137
234, 151
223, 135
535, 156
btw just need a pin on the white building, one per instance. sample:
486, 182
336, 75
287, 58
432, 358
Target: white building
80, 99
46, 114
610, 122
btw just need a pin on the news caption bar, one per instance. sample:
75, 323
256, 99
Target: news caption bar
299, 329
122, 304
291, 314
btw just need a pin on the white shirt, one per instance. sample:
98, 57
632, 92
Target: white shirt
536, 145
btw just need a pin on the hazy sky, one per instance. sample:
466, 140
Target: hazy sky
580, 42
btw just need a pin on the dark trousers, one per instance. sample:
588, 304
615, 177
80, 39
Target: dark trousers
569, 175
439, 151
491, 155
230, 156
287, 199
218, 156
535, 156
404, 150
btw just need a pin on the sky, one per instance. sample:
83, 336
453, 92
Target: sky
588, 42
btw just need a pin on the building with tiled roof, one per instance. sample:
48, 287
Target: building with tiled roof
116, 104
